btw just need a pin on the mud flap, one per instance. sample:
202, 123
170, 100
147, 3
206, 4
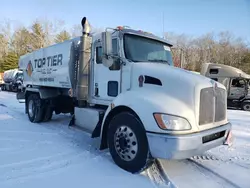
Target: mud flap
20, 96
229, 139
72, 121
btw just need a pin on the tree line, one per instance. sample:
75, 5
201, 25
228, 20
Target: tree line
17, 41
189, 51
222, 48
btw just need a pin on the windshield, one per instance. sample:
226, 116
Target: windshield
141, 49
19, 75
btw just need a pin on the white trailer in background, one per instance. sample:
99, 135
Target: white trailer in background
122, 86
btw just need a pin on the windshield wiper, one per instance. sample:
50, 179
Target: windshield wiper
159, 60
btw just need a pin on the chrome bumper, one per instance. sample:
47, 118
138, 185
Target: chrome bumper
165, 146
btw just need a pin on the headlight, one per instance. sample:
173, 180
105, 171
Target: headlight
170, 122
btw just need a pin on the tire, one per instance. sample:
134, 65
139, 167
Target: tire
245, 106
48, 113
34, 108
136, 151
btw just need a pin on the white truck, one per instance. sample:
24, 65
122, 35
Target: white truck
235, 80
121, 85
13, 79
1, 80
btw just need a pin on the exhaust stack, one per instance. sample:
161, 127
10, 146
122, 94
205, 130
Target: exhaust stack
83, 66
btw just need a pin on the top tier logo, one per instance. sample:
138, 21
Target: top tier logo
49, 61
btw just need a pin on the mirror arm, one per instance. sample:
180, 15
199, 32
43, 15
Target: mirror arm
111, 56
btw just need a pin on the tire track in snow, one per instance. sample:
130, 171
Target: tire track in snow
224, 182
158, 177
35, 167
21, 146
3, 105
29, 132
232, 159
36, 160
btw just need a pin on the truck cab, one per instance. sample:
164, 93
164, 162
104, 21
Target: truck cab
133, 54
235, 80
121, 86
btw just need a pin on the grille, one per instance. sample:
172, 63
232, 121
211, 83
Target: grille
220, 105
212, 105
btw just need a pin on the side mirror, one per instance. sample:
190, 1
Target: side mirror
107, 60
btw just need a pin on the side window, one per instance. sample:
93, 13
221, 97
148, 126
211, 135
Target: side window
116, 65
241, 83
99, 55
238, 83
214, 71
112, 88
115, 46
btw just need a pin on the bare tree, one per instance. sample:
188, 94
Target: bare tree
4, 38
221, 48
189, 51
62, 36
50, 29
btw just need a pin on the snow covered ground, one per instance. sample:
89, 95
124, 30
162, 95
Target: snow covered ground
220, 167
54, 155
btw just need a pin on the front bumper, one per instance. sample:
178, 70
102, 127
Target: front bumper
165, 146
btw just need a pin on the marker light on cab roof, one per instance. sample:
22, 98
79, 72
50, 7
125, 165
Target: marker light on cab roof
119, 28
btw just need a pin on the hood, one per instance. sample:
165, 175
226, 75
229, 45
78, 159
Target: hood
170, 75
175, 82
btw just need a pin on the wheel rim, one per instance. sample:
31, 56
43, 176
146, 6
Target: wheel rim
126, 144
246, 107
31, 108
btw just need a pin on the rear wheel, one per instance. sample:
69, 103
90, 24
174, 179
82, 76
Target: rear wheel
128, 143
48, 112
246, 106
34, 108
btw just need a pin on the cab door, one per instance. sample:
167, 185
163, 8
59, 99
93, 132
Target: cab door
237, 89
106, 80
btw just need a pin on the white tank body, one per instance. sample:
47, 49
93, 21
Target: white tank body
50, 66
10, 75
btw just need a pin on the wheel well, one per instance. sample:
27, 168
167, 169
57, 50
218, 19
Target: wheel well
111, 114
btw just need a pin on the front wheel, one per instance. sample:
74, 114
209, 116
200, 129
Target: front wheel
128, 143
